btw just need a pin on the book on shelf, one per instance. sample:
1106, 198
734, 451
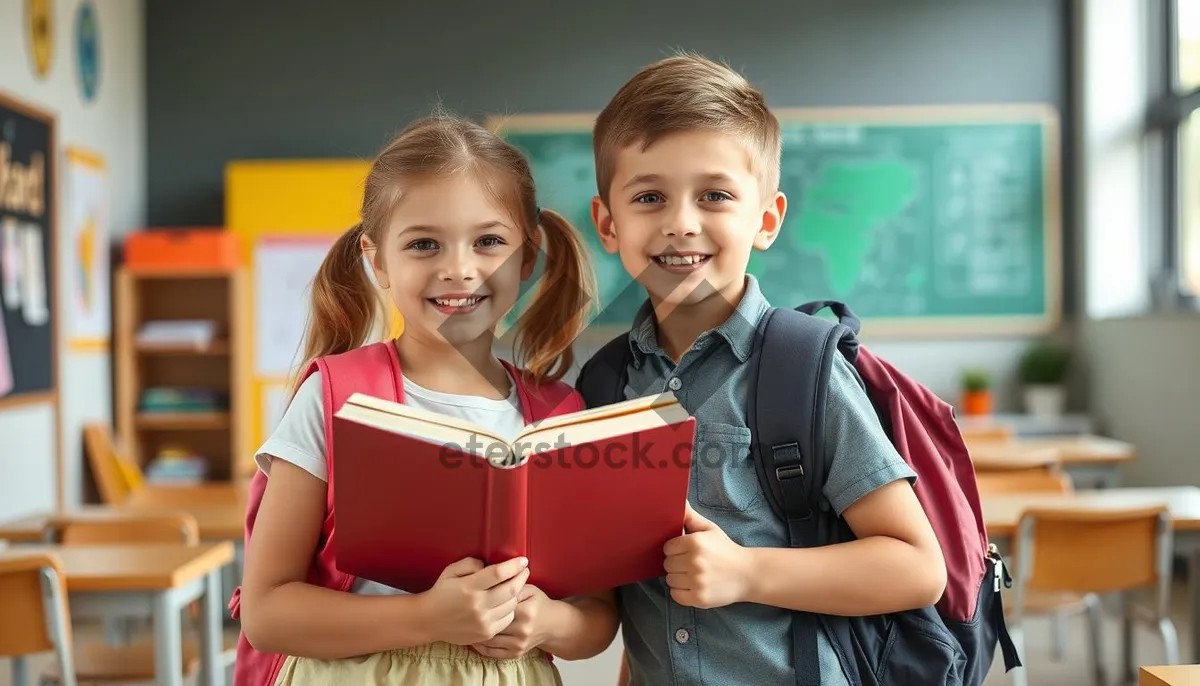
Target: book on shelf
589, 498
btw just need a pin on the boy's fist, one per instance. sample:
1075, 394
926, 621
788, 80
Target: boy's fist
704, 567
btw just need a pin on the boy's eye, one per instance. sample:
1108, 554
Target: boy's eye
650, 197
423, 245
716, 196
491, 241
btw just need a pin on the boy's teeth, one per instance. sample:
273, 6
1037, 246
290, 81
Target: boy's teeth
457, 302
680, 259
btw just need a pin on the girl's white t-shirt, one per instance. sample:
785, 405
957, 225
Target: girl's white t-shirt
300, 436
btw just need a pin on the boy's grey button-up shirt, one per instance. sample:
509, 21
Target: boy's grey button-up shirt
743, 643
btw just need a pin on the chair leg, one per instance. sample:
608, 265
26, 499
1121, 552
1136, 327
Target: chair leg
1166, 628
1020, 676
1095, 622
20, 670
1128, 672
1058, 636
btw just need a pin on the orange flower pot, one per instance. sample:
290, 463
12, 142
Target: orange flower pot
977, 403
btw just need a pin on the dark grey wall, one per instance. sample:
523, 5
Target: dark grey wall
230, 79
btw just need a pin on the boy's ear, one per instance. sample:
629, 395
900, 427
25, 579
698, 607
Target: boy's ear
772, 221
372, 255
532, 249
602, 218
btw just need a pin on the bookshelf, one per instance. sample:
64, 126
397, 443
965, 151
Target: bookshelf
180, 368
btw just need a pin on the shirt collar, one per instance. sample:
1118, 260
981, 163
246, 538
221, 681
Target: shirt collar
738, 330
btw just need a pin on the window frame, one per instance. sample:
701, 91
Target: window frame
1173, 107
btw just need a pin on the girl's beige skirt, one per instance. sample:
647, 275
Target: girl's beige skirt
436, 664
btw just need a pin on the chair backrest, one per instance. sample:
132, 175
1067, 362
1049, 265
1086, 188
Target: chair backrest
1093, 550
35, 603
117, 477
127, 527
1045, 479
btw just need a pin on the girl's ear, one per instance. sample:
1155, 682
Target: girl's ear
372, 255
533, 248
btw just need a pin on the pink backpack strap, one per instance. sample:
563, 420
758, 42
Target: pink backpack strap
547, 399
373, 370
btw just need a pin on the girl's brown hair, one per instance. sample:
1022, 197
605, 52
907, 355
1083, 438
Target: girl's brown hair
346, 304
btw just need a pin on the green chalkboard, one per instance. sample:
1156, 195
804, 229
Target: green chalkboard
923, 220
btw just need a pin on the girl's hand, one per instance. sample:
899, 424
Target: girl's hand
530, 627
471, 603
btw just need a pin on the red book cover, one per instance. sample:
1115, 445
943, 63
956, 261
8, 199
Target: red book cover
590, 498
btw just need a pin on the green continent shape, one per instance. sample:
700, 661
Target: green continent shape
847, 203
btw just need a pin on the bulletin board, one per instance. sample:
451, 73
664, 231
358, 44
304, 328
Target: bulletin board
28, 244
286, 215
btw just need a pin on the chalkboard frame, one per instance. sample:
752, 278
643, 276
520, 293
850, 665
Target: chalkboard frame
49, 392
1044, 115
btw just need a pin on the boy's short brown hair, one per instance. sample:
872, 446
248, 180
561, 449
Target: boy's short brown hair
687, 92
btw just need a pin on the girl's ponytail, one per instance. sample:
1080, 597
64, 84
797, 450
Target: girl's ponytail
561, 306
345, 303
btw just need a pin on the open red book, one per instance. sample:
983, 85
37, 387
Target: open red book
590, 497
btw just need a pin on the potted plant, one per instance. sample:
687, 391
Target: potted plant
1042, 372
976, 392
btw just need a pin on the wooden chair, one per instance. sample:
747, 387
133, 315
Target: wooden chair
118, 660
1073, 552
35, 615
117, 477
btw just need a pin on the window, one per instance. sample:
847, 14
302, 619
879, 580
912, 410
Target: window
1182, 132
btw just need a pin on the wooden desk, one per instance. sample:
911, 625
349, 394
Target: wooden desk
216, 523
1002, 512
219, 509
1090, 460
1169, 675
165, 577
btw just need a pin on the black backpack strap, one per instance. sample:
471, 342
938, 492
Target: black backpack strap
603, 377
787, 415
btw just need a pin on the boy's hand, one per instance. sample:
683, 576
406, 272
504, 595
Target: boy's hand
704, 567
529, 629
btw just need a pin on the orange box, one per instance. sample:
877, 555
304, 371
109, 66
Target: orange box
188, 248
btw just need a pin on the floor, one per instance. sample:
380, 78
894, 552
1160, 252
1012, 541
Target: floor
1074, 670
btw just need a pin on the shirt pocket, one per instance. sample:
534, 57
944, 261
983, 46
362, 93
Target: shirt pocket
723, 475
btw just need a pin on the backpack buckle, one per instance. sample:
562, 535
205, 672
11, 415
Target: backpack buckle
793, 471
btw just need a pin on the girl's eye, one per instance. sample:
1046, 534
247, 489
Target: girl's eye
716, 196
423, 245
646, 198
491, 241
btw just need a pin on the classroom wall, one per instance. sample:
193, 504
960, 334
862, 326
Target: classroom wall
286, 83
113, 125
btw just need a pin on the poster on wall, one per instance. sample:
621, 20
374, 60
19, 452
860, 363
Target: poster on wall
28, 240
284, 269
86, 235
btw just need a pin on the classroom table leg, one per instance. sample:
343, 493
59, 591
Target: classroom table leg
168, 644
212, 672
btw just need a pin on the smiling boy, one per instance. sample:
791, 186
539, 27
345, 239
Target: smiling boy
687, 165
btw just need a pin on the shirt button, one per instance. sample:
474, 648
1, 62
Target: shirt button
681, 635
674, 384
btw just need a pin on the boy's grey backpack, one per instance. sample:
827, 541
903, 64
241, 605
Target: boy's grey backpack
951, 643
